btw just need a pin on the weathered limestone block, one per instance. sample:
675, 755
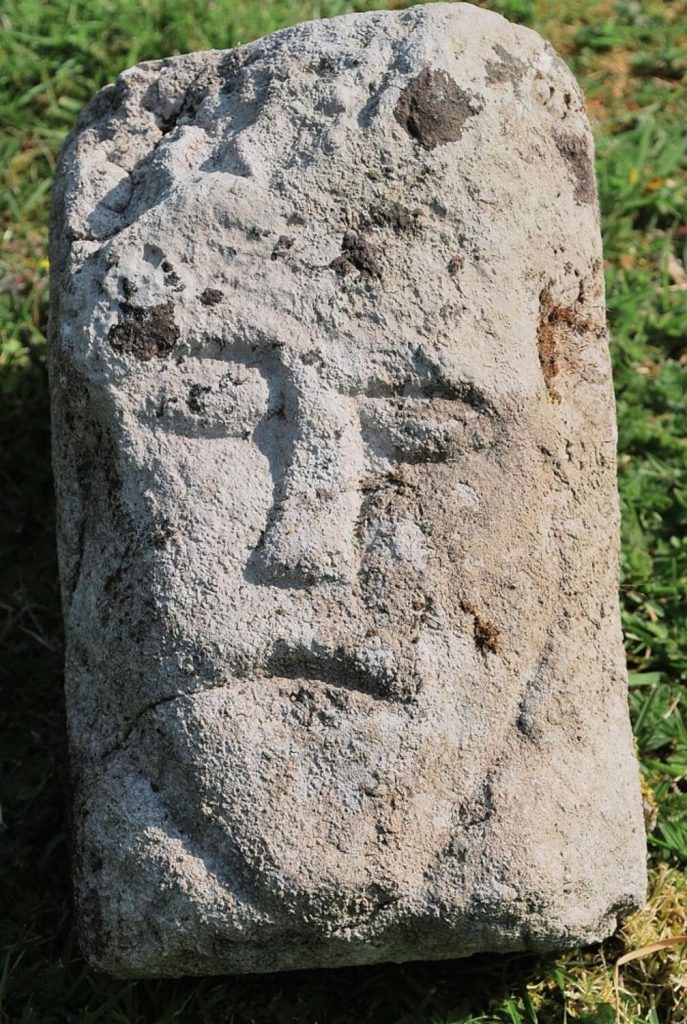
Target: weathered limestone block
335, 455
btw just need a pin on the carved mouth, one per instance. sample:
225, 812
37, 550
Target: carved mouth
342, 668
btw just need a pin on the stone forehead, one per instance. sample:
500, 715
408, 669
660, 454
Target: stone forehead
380, 75
378, 188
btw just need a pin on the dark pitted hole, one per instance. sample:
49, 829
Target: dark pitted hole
356, 254
434, 109
145, 333
575, 151
506, 69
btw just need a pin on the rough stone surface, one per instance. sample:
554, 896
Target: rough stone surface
334, 444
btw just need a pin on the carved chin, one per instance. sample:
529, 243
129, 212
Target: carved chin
267, 769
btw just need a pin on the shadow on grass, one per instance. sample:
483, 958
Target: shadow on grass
46, 979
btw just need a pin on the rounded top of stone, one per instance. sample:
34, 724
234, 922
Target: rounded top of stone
377, 169
388, 80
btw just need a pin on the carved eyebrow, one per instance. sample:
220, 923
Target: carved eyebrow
424, 379
440, 386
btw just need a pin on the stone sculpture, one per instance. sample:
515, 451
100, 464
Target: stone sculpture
334, 448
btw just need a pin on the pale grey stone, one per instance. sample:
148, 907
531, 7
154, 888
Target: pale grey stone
334, 444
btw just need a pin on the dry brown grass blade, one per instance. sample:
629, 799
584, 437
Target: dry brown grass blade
636, 954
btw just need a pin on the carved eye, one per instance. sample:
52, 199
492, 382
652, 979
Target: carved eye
212, 398
426, 429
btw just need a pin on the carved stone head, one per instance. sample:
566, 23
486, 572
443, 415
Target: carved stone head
334, 442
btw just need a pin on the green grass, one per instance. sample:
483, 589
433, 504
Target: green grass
631, 58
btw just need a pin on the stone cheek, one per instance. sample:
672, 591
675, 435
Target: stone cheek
338, 526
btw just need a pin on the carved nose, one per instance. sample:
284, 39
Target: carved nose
309, 537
